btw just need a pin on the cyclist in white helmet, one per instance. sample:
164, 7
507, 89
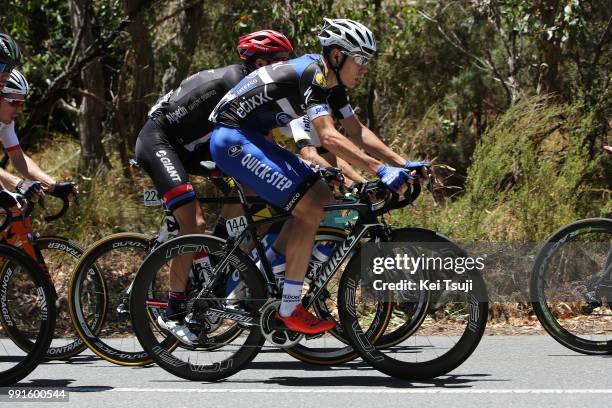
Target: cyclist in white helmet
274, 95
35, 181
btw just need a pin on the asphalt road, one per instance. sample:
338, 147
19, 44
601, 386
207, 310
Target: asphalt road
504, 371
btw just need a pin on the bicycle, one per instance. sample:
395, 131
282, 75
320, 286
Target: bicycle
210, 313
27, 304
571, 286
55, 255
109, 256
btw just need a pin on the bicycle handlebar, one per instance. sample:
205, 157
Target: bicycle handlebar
62, 211
29, 207
390, 199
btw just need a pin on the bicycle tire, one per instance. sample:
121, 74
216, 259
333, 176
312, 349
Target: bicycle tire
140, 315
45, 296
74, 345
122, 353
540, 305
338, 355
477, 311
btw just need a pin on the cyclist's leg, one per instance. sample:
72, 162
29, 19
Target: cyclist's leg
308, 214
163, 164
191, 221
270, 171
281, 178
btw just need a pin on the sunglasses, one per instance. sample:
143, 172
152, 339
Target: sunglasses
359, 59
15, 102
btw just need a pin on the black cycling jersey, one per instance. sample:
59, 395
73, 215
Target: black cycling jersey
183, 113
274, 95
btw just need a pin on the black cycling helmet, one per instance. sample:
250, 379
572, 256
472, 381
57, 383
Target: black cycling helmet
9, 51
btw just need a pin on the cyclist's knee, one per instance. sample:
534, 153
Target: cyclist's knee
324, 193
190, 220
310, 209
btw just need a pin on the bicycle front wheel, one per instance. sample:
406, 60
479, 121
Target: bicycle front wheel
445, 334
571, 286
27, 302
59, 255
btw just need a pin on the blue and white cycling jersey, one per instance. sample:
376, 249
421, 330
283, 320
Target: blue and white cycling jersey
274, 95
269, 98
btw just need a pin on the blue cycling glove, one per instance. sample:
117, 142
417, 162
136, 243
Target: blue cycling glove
410, 165
393, 177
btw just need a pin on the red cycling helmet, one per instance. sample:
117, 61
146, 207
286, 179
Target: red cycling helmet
262, 42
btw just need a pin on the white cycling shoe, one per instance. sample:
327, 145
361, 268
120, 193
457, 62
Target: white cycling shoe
179, 330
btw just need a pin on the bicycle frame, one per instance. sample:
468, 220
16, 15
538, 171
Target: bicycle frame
366, 222
20, 230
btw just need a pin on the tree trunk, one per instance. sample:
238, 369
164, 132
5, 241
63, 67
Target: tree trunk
143, 75
90, 112
121, 118
371, 121
189, 24
550, 47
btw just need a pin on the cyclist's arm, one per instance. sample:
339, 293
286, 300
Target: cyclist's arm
366, 139
349, 172
342, 147
29, 169
309, 153
314, 89
8, 180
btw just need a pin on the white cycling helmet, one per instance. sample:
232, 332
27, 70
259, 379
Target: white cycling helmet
348, 35
17, 84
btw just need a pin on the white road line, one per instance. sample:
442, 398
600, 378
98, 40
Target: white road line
361, 391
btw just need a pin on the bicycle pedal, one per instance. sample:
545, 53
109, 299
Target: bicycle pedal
123, 312
593, 302
123, 309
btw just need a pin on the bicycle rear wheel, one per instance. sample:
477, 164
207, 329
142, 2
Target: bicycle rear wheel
571, 286
149, 297
27, 303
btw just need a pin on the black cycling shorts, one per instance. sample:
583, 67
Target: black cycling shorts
168, 164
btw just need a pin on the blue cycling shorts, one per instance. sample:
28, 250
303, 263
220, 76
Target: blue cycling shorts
273, 173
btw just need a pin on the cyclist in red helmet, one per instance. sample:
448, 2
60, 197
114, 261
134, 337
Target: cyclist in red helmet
272, 44
176, 138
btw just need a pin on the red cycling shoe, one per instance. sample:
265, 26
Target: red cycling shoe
302, 321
